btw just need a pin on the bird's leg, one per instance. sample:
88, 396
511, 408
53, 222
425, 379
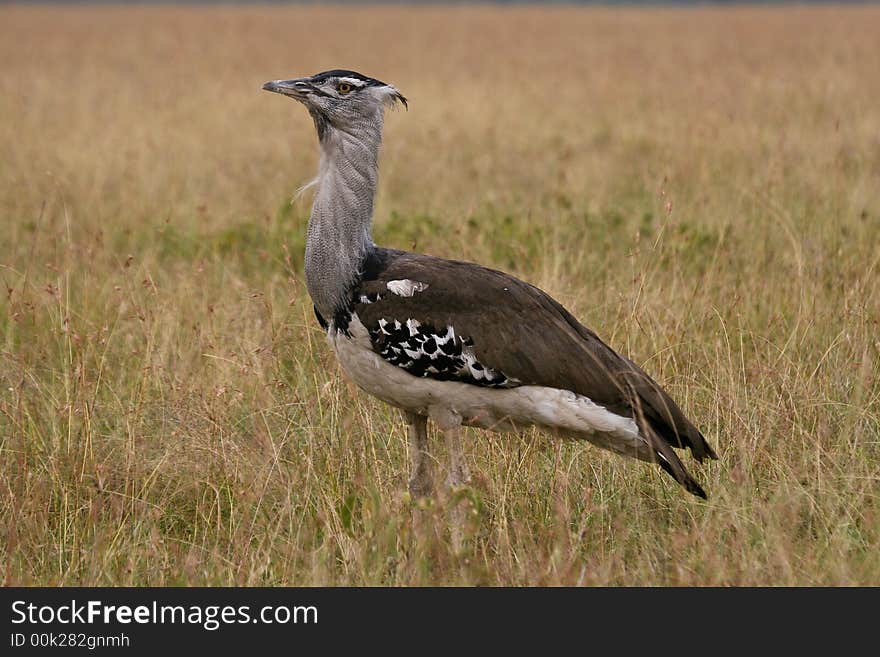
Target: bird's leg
459, 475
421, 482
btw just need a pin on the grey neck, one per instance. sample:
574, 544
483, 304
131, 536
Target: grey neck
339, 228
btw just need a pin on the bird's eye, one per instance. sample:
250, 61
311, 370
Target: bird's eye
343, 88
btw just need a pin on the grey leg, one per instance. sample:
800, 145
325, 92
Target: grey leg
421, 481
459, 475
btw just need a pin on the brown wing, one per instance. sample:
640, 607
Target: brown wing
520, 335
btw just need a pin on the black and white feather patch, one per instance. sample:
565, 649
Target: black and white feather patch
425, 351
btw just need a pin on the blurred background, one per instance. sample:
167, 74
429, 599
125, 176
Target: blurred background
169, 410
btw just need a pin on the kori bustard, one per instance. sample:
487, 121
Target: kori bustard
453, 341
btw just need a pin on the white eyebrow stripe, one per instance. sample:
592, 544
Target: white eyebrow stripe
354, 82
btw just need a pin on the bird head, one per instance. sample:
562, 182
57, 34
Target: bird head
341, 99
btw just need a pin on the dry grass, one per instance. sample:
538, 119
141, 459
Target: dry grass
700, 186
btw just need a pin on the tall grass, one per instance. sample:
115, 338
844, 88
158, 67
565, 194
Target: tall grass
702, 187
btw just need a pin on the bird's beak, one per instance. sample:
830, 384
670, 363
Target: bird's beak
298, 89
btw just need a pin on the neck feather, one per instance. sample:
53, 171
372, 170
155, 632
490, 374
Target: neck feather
339, 228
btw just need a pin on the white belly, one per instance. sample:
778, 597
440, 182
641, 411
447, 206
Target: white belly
500, 409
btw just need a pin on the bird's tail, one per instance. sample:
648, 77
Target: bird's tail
666, 457
676, 469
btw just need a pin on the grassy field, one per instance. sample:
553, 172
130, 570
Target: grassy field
702, 187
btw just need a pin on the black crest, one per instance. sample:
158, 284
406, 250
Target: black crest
320, 78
